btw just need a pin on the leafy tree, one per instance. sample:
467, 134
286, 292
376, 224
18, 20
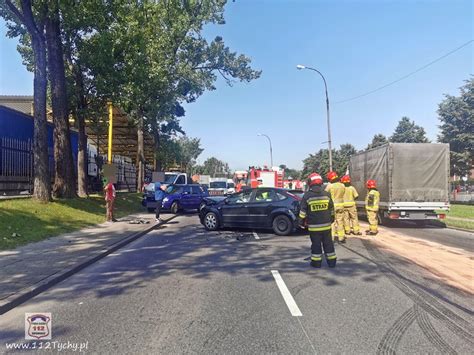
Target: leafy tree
295, 174
213, 166
169, 154
190, 151
148, 57
64, 184
408, 132
24, 19
377, 141
159, 59
319, 162
457, 128
341, 158
178, 152
82, 22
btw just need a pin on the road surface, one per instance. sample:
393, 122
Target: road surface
435, 232
180, 289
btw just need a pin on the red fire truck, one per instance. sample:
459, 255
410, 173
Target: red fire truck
269, 177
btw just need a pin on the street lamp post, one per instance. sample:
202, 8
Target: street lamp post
299, 66
271, 151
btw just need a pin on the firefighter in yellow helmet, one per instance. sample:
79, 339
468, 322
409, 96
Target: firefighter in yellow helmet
337, 190
351, 220
372, 206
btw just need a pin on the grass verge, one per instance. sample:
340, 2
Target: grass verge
24, 221
460, 216
459, 224
462, 211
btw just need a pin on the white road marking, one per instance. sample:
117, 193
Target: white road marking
256, 235
290, 301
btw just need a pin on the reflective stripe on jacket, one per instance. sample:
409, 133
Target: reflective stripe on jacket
350, 195
337, 190
317, 207
372, 200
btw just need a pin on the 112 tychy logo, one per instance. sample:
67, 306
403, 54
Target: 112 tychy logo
38, 326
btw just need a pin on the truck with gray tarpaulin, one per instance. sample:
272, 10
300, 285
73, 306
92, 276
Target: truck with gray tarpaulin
412, 178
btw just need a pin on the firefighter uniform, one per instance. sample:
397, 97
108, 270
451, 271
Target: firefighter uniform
337, 190
351, 219
317, 208
372, 207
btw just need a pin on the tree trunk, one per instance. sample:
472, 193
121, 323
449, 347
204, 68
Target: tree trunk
82, 156
158, 164
42, 181
82, 144
35, 27
64, 182
140, 155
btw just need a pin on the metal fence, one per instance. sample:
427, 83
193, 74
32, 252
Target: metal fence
462, 197
16, 169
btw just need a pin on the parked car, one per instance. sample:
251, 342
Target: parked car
262, 208
184, 197
177, 198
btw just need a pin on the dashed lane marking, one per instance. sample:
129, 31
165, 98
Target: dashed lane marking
290, 301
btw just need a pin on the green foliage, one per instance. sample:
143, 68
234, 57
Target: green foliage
153, 57
57, 217
179, 152
319, 162
148, 57
295, 174
377, 141
214, 167
408, 132
456, 115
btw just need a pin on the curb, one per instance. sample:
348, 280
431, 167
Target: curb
26, 294
460, 229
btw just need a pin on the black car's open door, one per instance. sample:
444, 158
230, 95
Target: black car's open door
235, 211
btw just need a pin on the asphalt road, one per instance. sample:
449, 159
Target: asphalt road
436, 232
180, 289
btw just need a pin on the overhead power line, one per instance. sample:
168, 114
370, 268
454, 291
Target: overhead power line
407, 75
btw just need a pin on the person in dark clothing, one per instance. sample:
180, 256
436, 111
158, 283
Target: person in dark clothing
317, 209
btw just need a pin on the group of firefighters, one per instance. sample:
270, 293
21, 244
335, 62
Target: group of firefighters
330, 213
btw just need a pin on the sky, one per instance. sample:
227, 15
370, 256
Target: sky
357, 45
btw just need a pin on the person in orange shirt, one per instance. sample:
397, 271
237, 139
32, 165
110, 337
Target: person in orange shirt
238, 187
109, 190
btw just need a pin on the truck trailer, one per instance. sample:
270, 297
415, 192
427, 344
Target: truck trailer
412, 178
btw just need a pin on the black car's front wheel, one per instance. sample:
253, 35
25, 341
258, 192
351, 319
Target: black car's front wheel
282, 225
210, 221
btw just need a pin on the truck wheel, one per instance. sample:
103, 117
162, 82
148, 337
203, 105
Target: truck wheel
210, 221
282, 225
174, 208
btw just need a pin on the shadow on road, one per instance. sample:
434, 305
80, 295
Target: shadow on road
191, 251
434, 224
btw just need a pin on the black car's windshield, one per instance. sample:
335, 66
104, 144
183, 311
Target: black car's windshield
218, 185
